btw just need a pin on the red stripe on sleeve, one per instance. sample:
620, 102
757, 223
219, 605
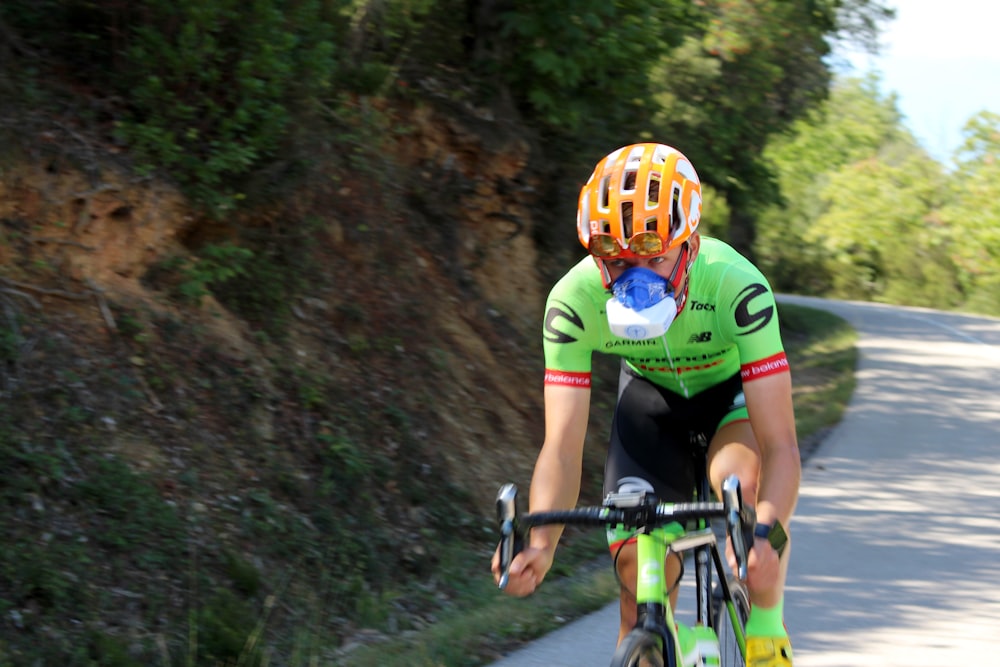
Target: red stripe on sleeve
777, 363
567, 378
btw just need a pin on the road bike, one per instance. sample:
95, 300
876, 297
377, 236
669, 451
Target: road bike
722, 603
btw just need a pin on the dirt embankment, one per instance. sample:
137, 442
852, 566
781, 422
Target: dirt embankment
423, 292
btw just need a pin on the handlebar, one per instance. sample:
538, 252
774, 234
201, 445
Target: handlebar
740, 522
633, 510
509, 533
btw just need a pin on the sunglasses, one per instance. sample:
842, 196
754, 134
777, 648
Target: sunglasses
642, 244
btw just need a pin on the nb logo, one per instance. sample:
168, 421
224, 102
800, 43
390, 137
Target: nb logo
703, 337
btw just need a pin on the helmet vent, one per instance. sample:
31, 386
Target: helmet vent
628, 181
675, 212
627, 218
653, 194
603, 196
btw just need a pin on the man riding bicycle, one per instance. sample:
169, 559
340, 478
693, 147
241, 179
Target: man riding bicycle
703, 373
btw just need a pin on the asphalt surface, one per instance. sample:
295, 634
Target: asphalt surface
896, 538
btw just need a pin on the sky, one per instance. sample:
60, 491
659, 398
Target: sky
942, 59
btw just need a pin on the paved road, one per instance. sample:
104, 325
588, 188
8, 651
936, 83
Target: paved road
897, 532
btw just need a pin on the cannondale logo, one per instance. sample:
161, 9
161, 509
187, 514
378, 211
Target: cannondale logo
744, 318
554, 314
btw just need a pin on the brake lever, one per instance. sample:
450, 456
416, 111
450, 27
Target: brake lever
510, 539
740, 521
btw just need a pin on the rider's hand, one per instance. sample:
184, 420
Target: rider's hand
763, 568
526, 571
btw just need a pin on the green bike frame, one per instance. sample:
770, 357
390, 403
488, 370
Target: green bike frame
651, 595
654, 613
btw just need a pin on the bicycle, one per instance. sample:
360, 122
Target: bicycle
722, 603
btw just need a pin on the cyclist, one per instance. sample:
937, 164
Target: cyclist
696, 327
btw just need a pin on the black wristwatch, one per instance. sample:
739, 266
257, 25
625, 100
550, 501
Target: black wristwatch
773, 533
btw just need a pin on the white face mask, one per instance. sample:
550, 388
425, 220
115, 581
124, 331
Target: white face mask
651, 322
643, 306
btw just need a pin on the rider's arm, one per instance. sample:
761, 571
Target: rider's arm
569, 338
769, 405
555, 483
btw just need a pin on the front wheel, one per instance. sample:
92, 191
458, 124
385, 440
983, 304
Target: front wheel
639, 649
730, 653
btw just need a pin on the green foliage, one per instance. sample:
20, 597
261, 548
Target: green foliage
744, 73
10, 342
245, 577
214, 87
879, 237
384, 37
345, 469
856, 123
271, 277
131, 511
190, 278
108, 651
973, 217
736, 80
225, 627
868, 215
215, 265
577, 63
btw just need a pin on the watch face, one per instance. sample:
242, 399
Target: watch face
777, 537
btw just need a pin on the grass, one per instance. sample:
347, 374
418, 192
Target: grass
482, 632
485, 623
823, 357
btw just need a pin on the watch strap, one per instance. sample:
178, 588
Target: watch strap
762, 530
774, 533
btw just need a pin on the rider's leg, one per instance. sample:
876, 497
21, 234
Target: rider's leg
626, 564
645, 453
734, 450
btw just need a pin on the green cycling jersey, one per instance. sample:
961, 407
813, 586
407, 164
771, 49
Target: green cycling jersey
728, 325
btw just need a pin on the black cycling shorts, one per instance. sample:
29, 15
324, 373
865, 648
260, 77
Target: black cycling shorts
652, 435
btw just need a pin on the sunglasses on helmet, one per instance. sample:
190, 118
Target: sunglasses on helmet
642, 244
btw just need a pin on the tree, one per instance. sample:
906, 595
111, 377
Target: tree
855, 124
751, 69
974, 217
882, 235
581, 67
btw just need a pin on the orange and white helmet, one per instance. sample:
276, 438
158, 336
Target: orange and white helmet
642, 200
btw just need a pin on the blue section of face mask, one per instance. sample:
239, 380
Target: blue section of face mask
639, 288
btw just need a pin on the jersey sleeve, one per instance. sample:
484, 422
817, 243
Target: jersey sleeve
570, 334
751, 318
